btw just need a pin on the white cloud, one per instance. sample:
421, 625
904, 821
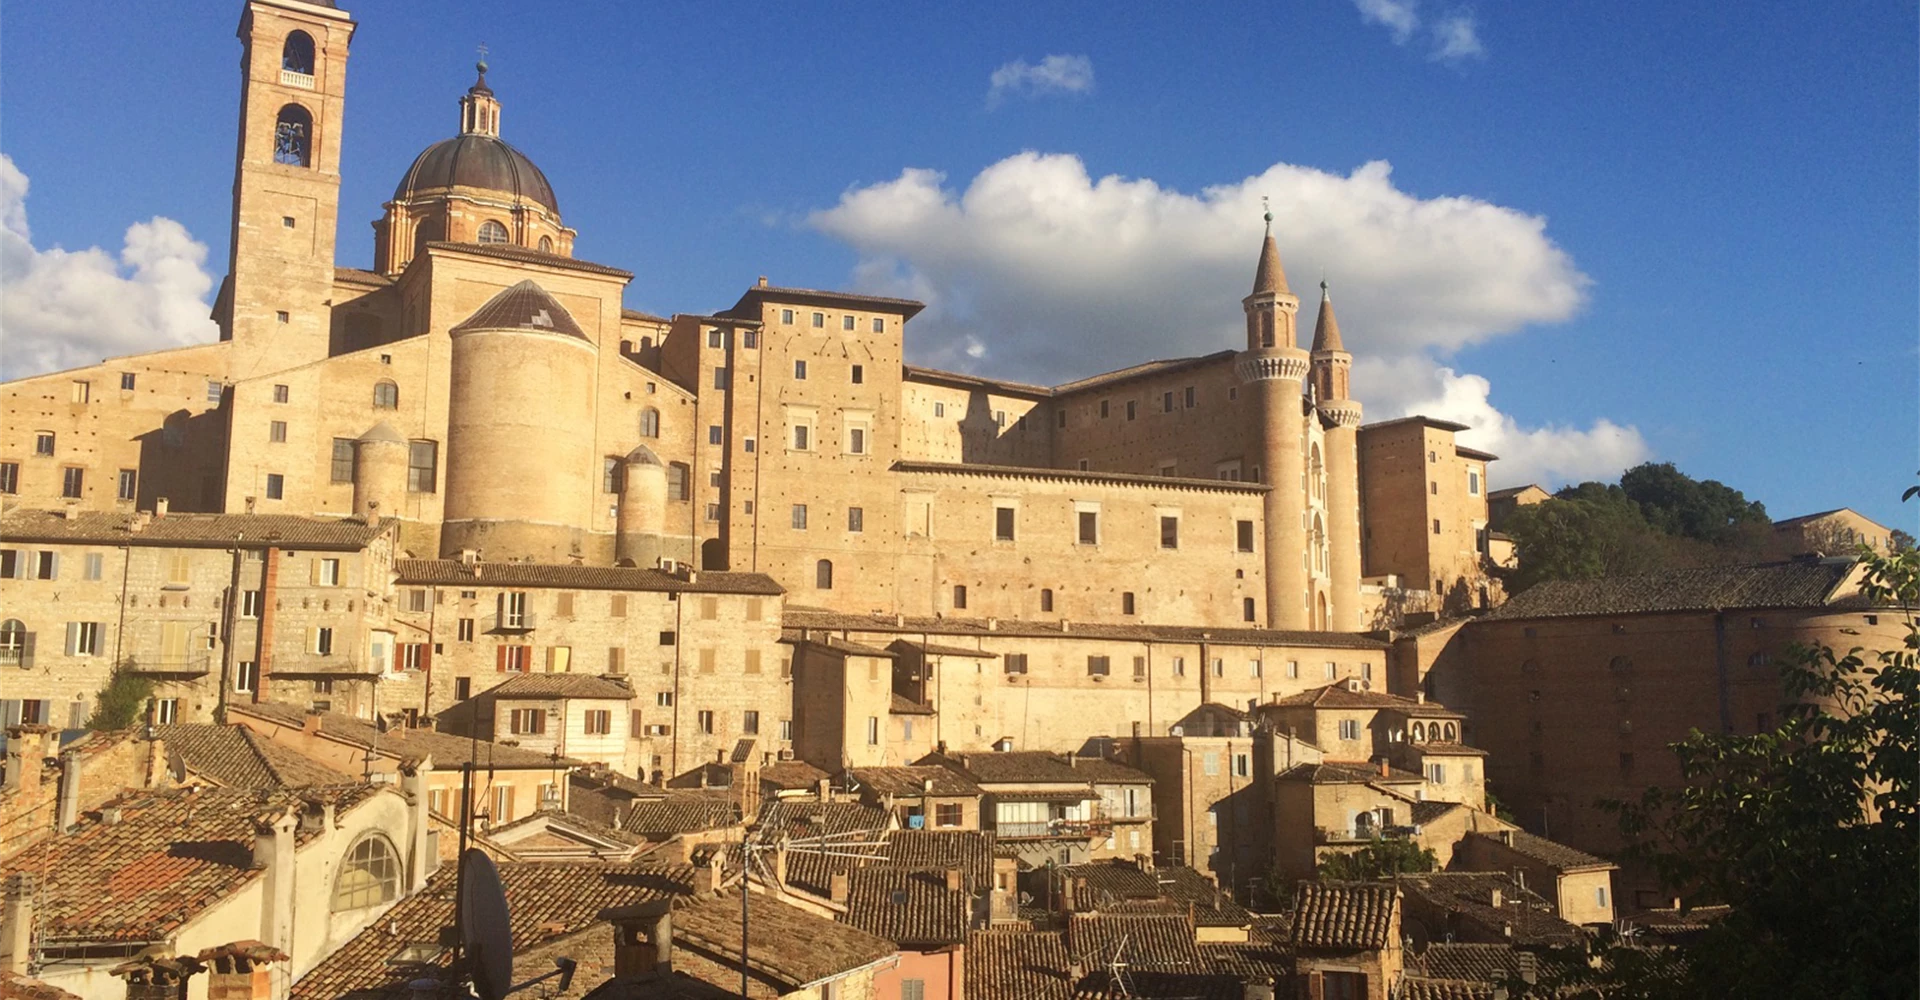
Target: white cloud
1037, 271
1399, 17
1054, 75
1456, 37
62, 309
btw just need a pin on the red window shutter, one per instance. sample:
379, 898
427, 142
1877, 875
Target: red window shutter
399, 657
500, 658
426, 655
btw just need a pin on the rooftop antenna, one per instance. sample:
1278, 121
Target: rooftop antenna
837, 845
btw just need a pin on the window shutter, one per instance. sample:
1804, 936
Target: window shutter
426, 656
398, 661
10, 711
26, 650
56, 565
313, 572
500, 658
73, 638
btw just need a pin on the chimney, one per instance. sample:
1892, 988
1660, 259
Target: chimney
159, 770
642, 938
953, 880
706, 878
1506, 838
69, 790
1385, 770
316, 816
1073, 759
826, 789
138, 522
1419, 697
160, 507
426, 858
153, 977
373, 521
763, 281
273, 847
240, 971
837, 887
26, 756
993, 624
780, 864
310, 724
16, 922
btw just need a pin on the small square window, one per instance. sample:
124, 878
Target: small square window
276, 485
286, 222
819, 321
282, 316
800, 516
856, 519
749, 339
747, 446
859, 374
716, 434
846, 322
277, 432
939, 409
43, 443
281, 393
799, 369
214, 390
786, 315
126, 380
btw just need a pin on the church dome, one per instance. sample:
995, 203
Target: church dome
477, 160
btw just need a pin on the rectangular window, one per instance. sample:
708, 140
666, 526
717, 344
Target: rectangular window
462, 688
857, 441
947, 814
610, 477
668, 638
1349, 729
706, 721
913, 989
213, 388
715, 338
677, 481
752, 665
1219, 667
1089, 527
1103, 409
709, 608
617, 606
1003, 524
1132, 409
95, 564
43, 443
502, 806
599, 722
616, 659
1139, 668
1098, 666
126, 380
250, 602
1169, 532
716, 434
663, 699
1255, 668
411, 656
750, 723
512, 659
281, 393
859, 374
1436, 525
73, 482
326, 572
1437, 773
713, 512
1166, 402
527, 721
1126, 603
1016, 663
749, 339
879, 324
1190, 399
856, 519
1473, 483
423, 466
277, 431
46, 566
746, 445
464, 630
341, 466
708, 660
83, 638
129, 485
1293, 669
1210, 763
800, 370
802, 437
246, 676
166, 711
786, 315
513, 609
323, 641
9, 477
1332, 670
873, 730
800, 516
846, 322
1179, 666
960, 597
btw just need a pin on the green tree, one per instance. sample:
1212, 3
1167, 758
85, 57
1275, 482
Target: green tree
123, 702
1702, 509
1807, 833
1378, 859
1899, 541
1585, 538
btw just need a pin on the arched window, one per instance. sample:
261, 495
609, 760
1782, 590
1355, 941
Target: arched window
1452, 733
1319, 473
386, 395
1419, 732
649, 423
1046, 599
492, 232
293, 137
369, 875
546, 244
296, 56
13, 642
823, 575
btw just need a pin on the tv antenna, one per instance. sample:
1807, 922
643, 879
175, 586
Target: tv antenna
846, 844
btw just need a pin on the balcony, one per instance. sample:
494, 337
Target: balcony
1364, 835
512, 624
189, 665
292, 79
1055, 829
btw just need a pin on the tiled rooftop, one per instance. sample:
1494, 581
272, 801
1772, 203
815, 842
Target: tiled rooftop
908, 907
1484, 963
1338, 695
1522, 918
1551, 853
971, 851
910, 780
249, 531
1424, 988
1036, 767
1799, 584
678, 813
1347, 774
237, 757
545, 901
448, 751
1161, 942
559, 686
132, 881
786, 943
453, 572
1017, 965
1107, 883
528, 255
1351, 916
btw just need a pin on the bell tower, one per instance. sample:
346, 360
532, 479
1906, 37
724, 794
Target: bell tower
1272, 368
275, 303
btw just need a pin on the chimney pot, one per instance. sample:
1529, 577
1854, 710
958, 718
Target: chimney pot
642, 938
160, 507
69, 789
837, 887
763, 281
1385, 771
1493, 896
953, 880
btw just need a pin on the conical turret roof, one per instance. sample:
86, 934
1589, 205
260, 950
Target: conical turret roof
525, 306
1270, 277
1326, 330
382, 432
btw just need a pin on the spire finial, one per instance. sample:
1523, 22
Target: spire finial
1268, 206
481, 65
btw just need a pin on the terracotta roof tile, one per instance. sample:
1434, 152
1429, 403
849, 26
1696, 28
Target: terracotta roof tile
816, 296
1145, 942
447, 750
1344, 915
1347, 774
1338, 695
1107, 883
545, 901
253, 531
523, 306
558, 686
1708, 588
14, 986
786, 942
237, 757
169, 856
1522, 918
507, 251
1037, 766
791, 774
453, 572
680, 814
971, 851
849, 823
1017, 965
1424, 988
908, 907
910, 780
1551, 853
1078, 476
1486, 963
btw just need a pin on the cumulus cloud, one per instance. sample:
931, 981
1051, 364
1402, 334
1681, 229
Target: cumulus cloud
1054, 75
1040, 272
1455, 35
62, 309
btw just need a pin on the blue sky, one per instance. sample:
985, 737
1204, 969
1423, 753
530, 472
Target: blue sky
1677, 231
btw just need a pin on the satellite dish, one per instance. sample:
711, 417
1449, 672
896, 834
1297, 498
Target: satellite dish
484, 933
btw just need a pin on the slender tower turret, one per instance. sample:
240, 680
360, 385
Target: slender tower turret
1340, 415
1271, 368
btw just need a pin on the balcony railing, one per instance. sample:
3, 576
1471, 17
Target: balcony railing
293, 79
1366, 835
1054, 829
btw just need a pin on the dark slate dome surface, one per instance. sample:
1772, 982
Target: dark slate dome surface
525, 306
475, 160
